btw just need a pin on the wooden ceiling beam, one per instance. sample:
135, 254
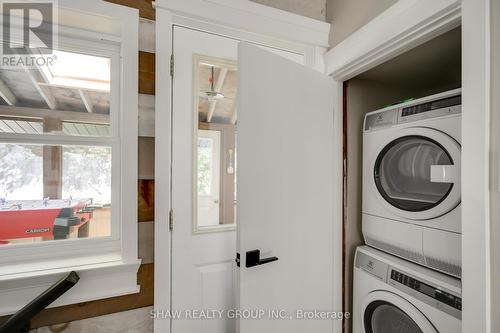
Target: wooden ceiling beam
45, 93
7, 94
218, 87
234, 117
86, 101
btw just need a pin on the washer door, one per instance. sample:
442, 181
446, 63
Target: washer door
417, 173
385, 312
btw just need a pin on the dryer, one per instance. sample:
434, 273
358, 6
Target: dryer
392, 295
411, 181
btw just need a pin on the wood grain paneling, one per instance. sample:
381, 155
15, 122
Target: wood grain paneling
146, 73
146, 200
64, 314
145, 7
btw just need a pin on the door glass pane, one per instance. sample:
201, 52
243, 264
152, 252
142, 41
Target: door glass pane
50, 192
403, 173
215, 153
387, 318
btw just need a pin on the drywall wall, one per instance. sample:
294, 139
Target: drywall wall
347, 16
315, 9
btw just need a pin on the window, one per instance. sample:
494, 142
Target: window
68, 167
62, 189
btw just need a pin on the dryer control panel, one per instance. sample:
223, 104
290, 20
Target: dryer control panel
432, 105
432, 109
439, 105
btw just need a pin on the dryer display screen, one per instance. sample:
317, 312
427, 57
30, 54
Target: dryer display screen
426, 289
434, 105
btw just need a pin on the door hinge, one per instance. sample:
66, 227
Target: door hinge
172, 65
171, 220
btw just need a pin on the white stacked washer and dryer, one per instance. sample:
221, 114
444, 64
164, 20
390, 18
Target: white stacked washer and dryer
411, 210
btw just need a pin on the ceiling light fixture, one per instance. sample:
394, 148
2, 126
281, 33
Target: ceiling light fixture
211, 94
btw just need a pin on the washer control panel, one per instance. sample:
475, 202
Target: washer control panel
435, 296
426, 289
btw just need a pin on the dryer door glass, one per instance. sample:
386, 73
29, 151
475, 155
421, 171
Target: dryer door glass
384, 317
403, 173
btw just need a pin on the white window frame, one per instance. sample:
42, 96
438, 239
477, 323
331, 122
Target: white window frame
107, 265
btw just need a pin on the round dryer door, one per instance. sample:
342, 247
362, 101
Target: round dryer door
417, 173
384, 312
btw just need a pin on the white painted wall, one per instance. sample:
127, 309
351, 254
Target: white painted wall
495, 166
347, 16
476, 221
315, 9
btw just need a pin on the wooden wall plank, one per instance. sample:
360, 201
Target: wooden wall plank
146, 73
145, 200
67, 313
145, 7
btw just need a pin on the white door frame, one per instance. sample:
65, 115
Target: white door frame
403, 26
242, 20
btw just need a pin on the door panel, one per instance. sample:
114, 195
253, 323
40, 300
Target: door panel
203, 271
203, 268
285, 190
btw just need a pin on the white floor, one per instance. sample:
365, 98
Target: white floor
132, 321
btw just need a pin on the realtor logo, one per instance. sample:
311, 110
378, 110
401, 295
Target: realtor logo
28, 33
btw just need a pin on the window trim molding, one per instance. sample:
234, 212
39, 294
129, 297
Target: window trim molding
114, 271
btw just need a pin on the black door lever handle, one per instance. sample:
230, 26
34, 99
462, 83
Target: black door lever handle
253, 259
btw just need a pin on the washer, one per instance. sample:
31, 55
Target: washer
411, 181
392, 295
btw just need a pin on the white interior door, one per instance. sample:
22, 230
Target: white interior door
203, 270
285, 191
285, 145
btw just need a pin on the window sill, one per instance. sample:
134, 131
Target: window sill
97, 281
